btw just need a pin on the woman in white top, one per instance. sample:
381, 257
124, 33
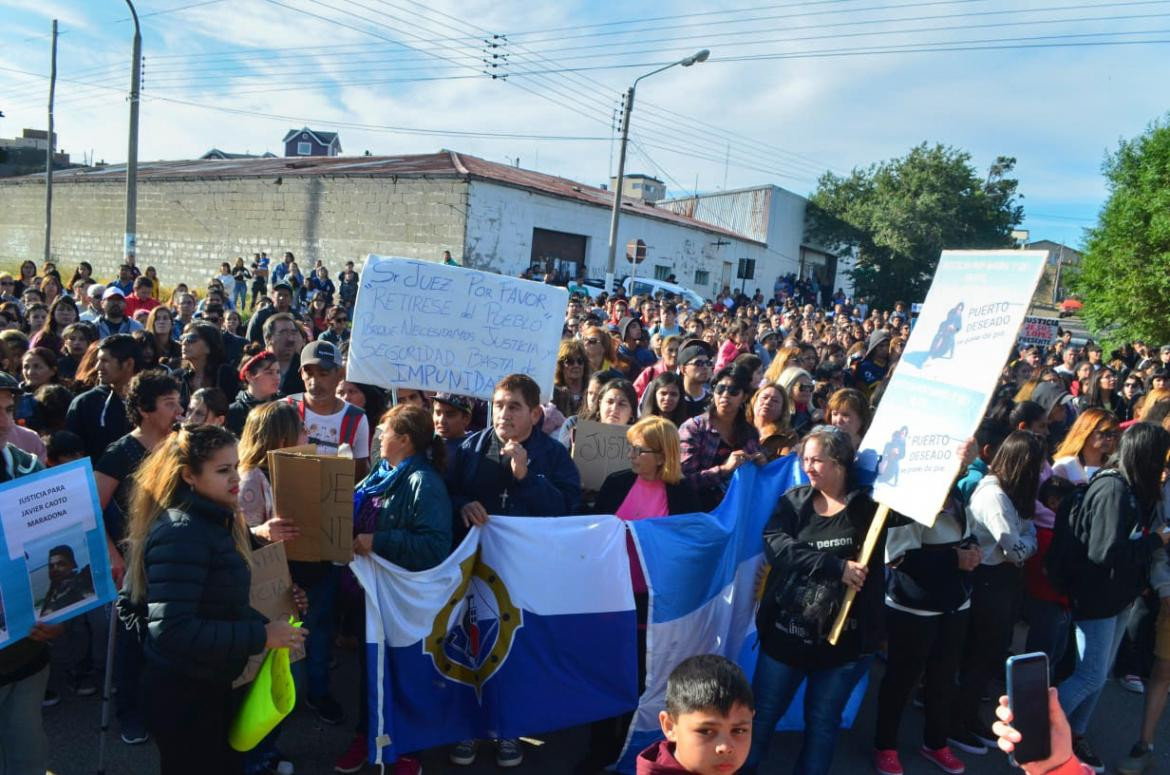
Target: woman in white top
1090, 442
269, 426
999, 517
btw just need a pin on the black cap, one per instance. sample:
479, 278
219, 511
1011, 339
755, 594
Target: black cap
692, 351
450, 399
321, 353
9, 382
282, 286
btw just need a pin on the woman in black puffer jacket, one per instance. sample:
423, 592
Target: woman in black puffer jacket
188, 578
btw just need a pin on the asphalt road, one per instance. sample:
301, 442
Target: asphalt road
312, 746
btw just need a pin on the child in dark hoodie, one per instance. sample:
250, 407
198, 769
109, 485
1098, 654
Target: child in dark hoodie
707, 722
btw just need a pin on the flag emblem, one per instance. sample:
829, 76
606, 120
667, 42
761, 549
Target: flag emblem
473, 633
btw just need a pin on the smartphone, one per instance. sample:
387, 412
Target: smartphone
1027, 689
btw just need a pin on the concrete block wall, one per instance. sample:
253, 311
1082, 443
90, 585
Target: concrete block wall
187, 227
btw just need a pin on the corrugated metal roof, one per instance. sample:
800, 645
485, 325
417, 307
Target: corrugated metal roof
744, 211
429, 165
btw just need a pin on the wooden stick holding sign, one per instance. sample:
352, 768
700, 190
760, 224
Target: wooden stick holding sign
871, 538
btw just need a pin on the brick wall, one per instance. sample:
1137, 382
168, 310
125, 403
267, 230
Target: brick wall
187, 227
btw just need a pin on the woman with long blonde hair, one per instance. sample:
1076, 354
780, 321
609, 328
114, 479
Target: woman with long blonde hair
1087, 447
186, 593
269, 427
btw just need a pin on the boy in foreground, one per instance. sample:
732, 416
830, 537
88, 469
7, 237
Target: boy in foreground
707, 722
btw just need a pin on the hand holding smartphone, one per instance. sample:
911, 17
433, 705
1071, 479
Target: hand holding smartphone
1027, 691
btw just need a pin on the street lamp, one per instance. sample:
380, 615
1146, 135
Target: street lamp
699, 56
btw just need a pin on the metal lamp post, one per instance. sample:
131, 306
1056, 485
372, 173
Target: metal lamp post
700, 56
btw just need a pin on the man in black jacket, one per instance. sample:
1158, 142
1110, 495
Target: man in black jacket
98, 415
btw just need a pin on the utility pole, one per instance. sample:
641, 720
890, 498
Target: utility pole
130, 240
49, 154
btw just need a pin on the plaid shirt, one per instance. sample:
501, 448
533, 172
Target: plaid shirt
700, 452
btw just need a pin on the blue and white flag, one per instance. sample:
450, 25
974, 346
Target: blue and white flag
528, 627
702, 571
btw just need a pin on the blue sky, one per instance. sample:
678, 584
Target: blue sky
791, 89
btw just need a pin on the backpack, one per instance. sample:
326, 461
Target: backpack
1067, 555
349, 421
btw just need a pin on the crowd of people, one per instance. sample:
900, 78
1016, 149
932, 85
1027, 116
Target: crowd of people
1057, 518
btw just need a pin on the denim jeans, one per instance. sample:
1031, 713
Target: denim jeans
319, 642
24, 749
240, 296
774, 685
1048, 625
1097, 643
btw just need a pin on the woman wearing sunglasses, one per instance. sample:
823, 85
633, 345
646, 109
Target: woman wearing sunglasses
1090, 442
799, 384
720, 440
571, 377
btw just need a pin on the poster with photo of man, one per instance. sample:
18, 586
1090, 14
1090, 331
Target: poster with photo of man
53, 560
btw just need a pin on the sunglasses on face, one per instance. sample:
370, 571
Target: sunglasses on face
573, 361
189, 339
731, 390
593, 341
804, 388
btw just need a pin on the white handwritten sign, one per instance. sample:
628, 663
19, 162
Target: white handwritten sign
428, 326
1038, 331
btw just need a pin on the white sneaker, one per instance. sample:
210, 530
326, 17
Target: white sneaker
1132, 683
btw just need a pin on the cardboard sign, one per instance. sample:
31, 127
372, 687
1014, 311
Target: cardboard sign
316, 492
599, 449
1038, 331
53, 559
946, 375
271, 595
428, 326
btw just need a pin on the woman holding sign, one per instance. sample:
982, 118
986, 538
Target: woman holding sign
811, 543
186, 593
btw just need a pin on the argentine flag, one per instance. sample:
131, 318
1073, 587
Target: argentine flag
702, 571
529, 626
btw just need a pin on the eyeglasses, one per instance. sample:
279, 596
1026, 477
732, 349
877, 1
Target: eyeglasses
637, 451
189, 339
592, 340
731, 390
573, 361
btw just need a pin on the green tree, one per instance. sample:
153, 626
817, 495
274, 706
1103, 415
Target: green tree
898, 216
1124, 277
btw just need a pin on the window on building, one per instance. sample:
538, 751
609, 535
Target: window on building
746, 269
304, 149
635, 186
702, 277
661, 272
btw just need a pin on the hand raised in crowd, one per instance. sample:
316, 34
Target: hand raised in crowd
300, 599
474, 514
363, 544
515, 451
1061, 734
968, 451
854, 575
277, 529
969, 557
282, 635
43, 633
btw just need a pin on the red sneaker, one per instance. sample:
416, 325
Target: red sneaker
945, 760
354, 757
407, 765
886, 762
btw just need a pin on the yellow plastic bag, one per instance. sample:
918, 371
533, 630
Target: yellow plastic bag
270, 698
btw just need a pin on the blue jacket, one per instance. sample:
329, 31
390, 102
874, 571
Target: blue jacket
414, 519
552, 487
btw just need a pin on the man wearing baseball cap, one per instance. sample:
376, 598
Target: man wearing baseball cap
282, 298
113, 319
452, 416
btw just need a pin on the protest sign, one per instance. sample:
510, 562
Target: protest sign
316, 492
1038, 331
54, 563
271, 595
943, 382
599, 449
428, 326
